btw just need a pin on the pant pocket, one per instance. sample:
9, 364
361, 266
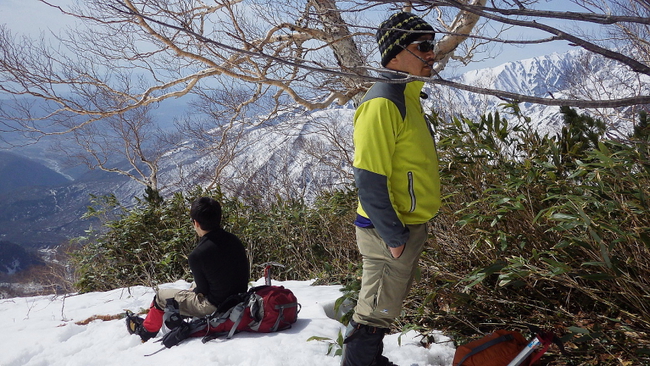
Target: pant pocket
386, 305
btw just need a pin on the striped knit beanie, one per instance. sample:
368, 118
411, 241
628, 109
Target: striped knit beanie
397, 32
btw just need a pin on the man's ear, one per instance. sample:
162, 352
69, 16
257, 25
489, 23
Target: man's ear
394, 62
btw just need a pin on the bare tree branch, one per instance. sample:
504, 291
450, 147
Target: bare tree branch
268, 57
559, 34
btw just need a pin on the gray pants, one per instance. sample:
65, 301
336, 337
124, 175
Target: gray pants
189, 302
386, 280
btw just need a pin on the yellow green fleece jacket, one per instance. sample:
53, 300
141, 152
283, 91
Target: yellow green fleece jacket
395, 161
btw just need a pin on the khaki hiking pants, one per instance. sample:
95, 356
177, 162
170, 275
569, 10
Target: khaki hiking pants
189, 302
386, 280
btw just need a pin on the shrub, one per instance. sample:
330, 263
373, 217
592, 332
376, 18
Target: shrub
149, 243
314, 241
538, 229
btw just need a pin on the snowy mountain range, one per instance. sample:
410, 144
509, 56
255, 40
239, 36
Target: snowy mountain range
298, 155
304, 154
571, 75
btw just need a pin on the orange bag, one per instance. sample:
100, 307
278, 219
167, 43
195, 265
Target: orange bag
495, 349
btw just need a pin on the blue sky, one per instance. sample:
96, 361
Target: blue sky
31, 16
510, 53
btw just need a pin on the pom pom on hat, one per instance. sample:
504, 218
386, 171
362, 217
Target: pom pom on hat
397, 32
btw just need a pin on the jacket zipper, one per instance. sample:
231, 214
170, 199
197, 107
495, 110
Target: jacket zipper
411, 191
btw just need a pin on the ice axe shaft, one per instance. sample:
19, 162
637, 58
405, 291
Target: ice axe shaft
268, 271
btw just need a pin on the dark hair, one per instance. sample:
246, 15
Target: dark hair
207, 212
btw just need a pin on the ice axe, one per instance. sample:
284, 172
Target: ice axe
267, 271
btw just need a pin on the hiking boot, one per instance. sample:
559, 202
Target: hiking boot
134, 326
363, 346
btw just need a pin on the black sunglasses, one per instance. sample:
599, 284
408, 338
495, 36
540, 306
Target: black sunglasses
424, 45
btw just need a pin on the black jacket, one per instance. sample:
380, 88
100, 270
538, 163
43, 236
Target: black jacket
219, 266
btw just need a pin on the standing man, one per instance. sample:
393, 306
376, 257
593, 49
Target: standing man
219, 266
396, 172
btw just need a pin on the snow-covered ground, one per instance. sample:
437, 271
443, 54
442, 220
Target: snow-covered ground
43, 331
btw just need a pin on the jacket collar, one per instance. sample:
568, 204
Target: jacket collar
412, 87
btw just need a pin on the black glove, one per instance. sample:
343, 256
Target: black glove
177, 335
172, 316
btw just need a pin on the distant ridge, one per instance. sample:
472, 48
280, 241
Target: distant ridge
14, 258
576, 74
18, 172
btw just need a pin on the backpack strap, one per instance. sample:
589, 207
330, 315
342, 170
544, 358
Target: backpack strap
281, 316
183, 331
232, 308
241, 308
486, 345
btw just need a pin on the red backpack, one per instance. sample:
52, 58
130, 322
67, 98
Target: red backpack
262, 309
495, 349
266, 309
505, 348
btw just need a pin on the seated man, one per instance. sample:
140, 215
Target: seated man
219, 266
